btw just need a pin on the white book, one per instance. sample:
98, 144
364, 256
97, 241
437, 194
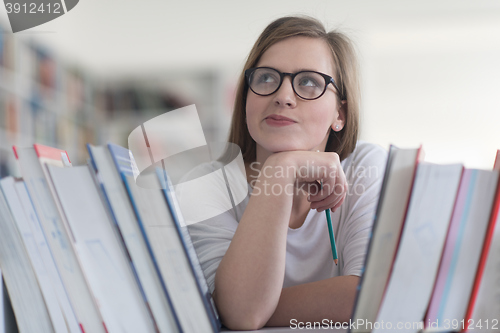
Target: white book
169, 254
123, 213
59, 242
48, 292
391, 210
27, 300
48, 259
417, 261
102, 257
182, 230
463, 248
484, 306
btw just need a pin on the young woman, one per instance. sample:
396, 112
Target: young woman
296, 122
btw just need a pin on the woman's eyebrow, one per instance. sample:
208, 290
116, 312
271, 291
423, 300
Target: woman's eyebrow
306, 69
309, 69
302, 69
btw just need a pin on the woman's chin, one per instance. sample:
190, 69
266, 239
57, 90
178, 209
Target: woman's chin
280, 149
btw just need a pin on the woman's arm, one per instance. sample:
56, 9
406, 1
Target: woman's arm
250, 276
331, 299
249, 279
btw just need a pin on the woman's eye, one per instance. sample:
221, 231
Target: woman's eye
266, 78
308, 82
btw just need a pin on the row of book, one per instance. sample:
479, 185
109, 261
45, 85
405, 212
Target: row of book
83, 249
433, 261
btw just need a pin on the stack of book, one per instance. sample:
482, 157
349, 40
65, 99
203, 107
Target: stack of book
433, 261
84, 249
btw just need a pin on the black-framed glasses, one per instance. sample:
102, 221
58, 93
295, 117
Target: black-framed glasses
308, 85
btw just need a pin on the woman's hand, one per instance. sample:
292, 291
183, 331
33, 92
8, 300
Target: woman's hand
317, 173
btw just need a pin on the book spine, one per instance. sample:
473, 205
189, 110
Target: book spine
190, 252
484, 255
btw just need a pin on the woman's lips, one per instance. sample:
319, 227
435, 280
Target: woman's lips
278, 121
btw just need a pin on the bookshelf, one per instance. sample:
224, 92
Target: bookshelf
43, 99
130, 102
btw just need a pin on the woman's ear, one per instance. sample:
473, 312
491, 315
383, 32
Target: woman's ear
339, 122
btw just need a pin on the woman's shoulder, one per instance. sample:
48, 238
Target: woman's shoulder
366, 163
366, 153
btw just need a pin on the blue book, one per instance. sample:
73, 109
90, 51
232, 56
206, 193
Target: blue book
174, 264
120, 208
181, 227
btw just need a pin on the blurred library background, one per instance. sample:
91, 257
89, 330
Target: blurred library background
430, 71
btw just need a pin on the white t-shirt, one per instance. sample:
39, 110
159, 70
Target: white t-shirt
308, 250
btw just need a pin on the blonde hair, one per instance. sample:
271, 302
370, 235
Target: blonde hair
346, 77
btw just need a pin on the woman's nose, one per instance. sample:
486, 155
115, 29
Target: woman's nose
285, 96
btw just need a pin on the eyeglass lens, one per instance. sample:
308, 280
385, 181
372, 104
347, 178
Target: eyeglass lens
308, 85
